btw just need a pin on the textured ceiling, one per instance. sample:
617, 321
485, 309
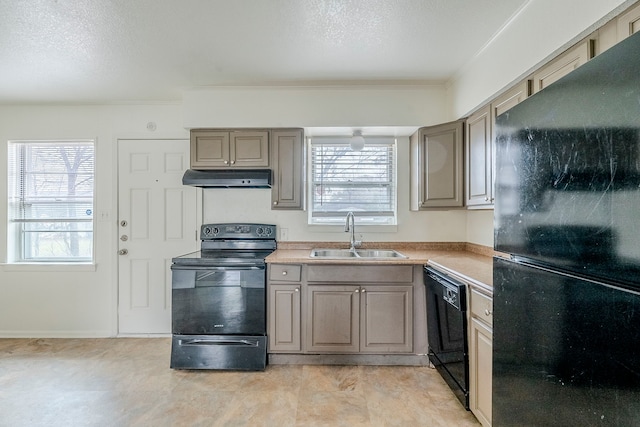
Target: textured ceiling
147, 50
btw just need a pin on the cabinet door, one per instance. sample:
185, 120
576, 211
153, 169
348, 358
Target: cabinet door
333, 321
508, 100
287, 162
387, 319
284, 318
629, 23
209, 149
436, 166
563, 65
480, 371
249, 149
479, 185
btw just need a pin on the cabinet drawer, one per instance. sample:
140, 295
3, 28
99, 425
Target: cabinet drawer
284, 272
482, 307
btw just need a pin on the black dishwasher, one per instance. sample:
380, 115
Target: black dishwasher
447, 331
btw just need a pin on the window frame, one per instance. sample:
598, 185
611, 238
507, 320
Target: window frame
18, 223
362, 218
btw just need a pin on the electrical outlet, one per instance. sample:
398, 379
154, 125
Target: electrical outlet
284, 234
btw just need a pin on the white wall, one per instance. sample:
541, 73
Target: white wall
333, 106
540, 30
68, 301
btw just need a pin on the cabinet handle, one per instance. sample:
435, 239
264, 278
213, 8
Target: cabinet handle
275, 203
297, 289
357, 291
226, 162
487, 312
364, 290
233, 161
284, 273
486, 199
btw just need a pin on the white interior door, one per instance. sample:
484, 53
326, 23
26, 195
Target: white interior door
157, 220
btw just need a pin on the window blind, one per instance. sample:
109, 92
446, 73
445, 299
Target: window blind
51, 197
344, 180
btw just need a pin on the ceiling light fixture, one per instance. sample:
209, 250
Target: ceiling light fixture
357, 141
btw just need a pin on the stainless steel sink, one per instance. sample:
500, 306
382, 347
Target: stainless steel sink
379, 253
359, 253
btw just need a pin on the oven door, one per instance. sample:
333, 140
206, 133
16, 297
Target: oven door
218, 300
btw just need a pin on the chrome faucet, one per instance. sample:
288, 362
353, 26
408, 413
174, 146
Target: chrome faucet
350, 226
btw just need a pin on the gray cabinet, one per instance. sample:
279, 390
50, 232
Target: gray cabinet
284, 318
340, 309
284, 308
480, 137
563, 64
359, 309
437, 167
481, 356
366, 319
287, 162
478, 148
629, 22
333, 318
213, 149
386, 319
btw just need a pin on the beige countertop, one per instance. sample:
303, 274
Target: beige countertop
472, 263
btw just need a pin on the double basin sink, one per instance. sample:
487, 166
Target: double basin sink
358, 253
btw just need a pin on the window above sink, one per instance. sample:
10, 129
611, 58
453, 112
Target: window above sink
343, 179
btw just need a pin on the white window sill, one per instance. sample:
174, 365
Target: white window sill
47, 267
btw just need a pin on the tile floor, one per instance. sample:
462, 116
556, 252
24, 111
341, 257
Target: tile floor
127, 382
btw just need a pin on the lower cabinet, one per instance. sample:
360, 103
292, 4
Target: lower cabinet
364, 319
333, 318
284, 290
284, 318
340, 309
480, 356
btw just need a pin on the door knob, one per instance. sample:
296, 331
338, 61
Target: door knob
123, 251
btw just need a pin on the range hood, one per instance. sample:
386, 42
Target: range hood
228, 178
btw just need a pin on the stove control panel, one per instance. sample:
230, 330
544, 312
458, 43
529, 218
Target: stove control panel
237, 231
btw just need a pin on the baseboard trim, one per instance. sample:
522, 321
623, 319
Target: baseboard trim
349, 359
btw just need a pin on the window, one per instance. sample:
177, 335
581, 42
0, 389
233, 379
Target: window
50, 201
344, 180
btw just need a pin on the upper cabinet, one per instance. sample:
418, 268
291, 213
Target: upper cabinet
563, 64
287, 162
478, 149
629, 23
437, 166
213, 149
480, 139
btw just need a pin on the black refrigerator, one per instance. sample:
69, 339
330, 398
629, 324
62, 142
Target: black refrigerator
566, 319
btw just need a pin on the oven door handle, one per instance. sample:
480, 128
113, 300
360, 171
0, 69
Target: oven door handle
217, 268
232, 342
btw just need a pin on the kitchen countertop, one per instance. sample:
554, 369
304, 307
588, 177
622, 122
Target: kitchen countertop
469, 262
